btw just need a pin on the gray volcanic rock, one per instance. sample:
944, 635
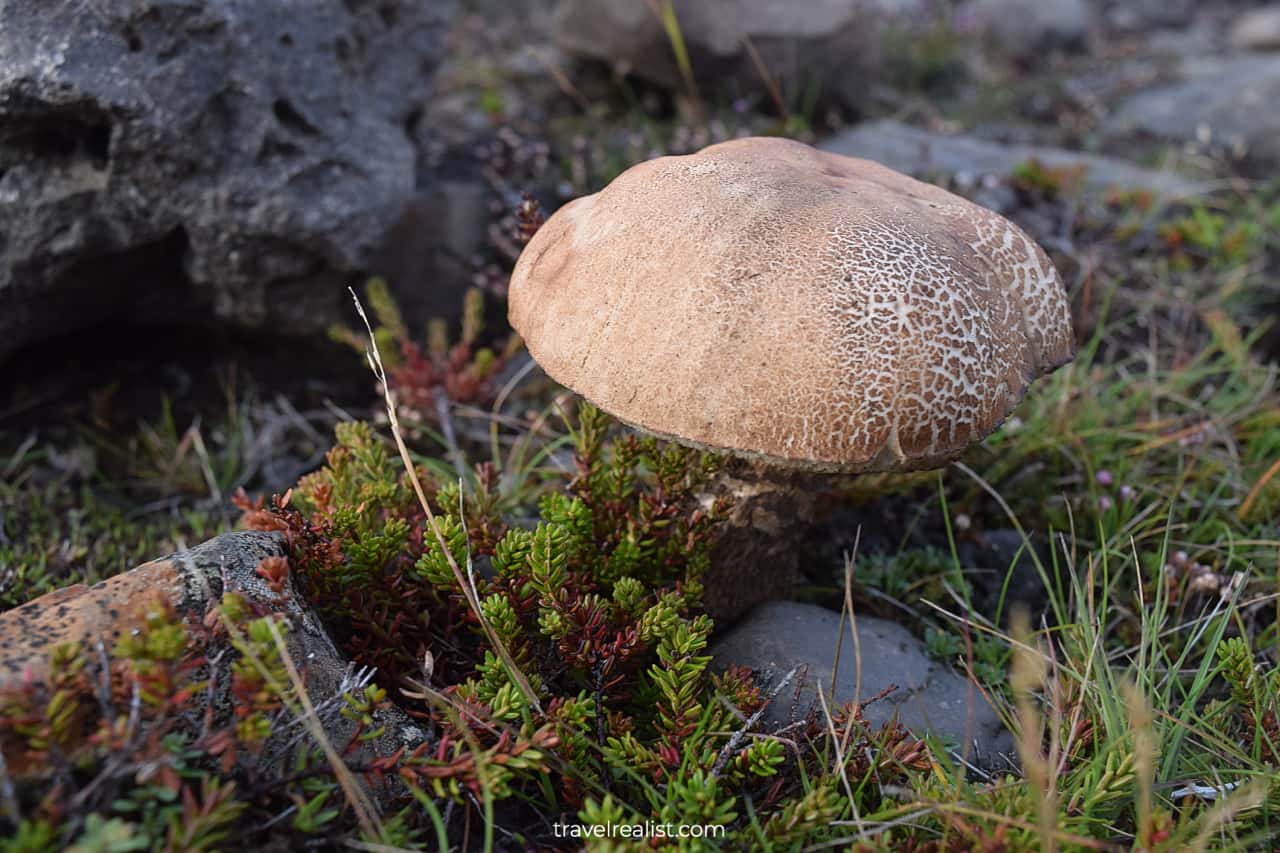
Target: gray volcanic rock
208, 161
1028, 30
921, 153
1148, 15
1257, 29
836, 44
1223, 105
780, 635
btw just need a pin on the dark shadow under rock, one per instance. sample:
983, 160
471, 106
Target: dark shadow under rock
1001, 568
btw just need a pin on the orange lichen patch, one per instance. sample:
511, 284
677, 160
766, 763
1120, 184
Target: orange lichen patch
77, 614
810, 309
56, 700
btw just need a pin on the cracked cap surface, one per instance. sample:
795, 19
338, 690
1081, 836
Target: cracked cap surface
770, 300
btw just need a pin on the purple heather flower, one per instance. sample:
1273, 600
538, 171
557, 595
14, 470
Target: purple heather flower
1103, 477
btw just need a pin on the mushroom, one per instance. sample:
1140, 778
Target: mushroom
802, 311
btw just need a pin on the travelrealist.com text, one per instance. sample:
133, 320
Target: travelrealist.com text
648, 829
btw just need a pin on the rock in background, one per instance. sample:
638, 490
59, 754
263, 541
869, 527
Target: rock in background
1227, 105
926, 696
922, 153
838, 45
1027, 30
1258, 29
216, 162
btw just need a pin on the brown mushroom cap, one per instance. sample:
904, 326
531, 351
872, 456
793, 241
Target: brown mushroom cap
774, 301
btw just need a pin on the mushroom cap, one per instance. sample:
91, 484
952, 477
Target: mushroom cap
773, 301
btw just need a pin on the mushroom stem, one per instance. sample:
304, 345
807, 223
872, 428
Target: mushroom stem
756, 554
